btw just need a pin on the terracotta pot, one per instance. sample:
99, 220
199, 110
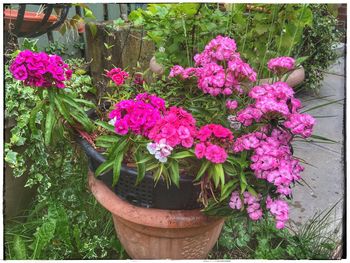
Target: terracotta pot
30, 20
148, 233
294, 79
155, 67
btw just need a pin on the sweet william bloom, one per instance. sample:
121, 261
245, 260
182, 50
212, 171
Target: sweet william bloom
301, 124
281, 65
200, 150
118, 76
235, 201
40, 69
215, 154
176, 70
231, 104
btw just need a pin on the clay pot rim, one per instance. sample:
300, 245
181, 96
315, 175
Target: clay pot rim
152, 217
29, 16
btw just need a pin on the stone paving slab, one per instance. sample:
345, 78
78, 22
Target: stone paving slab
326, 176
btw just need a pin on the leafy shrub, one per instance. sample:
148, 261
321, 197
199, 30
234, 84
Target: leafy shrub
317, 44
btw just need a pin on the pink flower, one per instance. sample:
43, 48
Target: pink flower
40, 69
176, 71
231, 104
301, 124
281, 65
121, 127
235, 201
118, 76
200, 150
279, 209
215, 154
177, 126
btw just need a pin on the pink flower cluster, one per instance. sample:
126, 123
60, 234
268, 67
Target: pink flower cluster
138, 115
272, 159
231, 104
300, 124
212, 76
118, 76
160, 150
279, 209
214, 140
277, 100
177, 126
281, 65
40, 69
253, 204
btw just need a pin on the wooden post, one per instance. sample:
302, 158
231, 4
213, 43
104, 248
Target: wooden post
125, 49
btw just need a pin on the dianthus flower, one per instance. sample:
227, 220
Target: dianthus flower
231, 104
281, 65
138, 115
300, 124
177, 126
40, 69
118, 76
272, 159
279, 209
160, 150
235, 201
275, 100
214, 140
212, 77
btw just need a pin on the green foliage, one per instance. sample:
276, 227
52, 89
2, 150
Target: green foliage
273, 30
65, 221
242, 238
317, 44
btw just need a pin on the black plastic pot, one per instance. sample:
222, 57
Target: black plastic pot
145, 194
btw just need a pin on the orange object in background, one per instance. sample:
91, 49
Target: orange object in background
30, 20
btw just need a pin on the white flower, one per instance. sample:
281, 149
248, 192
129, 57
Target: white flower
162, 49
112, 121
152, 148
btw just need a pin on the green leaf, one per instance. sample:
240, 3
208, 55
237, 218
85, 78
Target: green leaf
252, 191
108, 138
49, 124
228, 188
88, 13
33, 114
87, 103
63, 110
181, 155
19, 248
219, 174
116, 167
322, 138
119, 147
243, 182
71, 102
83, 119
43, 236
205, 165
105, 125
322, 105
141, 167
107, 165
174, 172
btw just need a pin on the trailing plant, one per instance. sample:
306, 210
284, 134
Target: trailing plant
64, 221
25, 151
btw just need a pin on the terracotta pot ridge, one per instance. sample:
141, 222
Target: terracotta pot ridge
146, 216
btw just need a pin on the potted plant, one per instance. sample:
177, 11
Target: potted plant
209, 133
176, 157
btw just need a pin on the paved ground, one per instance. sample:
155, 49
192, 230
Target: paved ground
326, 178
